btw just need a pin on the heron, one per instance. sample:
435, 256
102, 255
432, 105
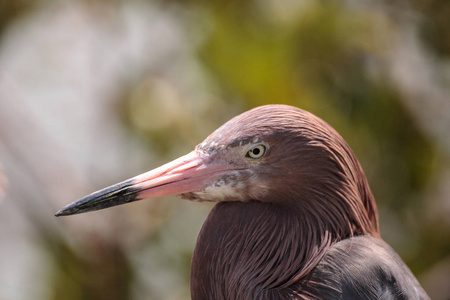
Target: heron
294, 216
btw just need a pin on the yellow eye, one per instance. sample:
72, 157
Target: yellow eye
256, 151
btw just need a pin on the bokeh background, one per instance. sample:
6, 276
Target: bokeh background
94, 92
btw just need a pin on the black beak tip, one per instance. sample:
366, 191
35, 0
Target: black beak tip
67, 211
60, 213
117, 194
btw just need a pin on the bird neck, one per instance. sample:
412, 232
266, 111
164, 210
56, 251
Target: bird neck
252, 248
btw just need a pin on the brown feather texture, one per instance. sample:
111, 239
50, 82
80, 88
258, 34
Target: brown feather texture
316, 195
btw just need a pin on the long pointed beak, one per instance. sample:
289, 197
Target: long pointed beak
187, 174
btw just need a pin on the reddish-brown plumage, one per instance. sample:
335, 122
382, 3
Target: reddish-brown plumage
294, 209
317, 196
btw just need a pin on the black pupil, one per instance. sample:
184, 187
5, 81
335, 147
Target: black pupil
256, 151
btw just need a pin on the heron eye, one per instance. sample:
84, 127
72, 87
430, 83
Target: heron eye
256, 152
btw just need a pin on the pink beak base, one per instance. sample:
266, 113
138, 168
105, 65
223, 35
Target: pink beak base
186, 174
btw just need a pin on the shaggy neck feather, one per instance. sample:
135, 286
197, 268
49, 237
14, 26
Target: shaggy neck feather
257, 248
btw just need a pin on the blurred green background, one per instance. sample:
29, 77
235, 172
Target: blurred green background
94, 92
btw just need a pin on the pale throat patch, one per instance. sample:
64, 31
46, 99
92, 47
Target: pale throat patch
233, 187
227, 188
